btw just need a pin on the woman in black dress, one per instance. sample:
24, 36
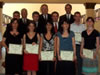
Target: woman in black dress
13, 62
47, 44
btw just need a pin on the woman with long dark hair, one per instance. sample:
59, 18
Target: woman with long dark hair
13, 62
65, 43
47, 45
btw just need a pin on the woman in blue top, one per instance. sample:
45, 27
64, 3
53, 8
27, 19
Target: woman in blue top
65, 42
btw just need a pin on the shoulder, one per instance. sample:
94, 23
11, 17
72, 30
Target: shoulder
62, 16
96, 32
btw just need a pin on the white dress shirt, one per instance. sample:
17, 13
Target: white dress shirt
56, 24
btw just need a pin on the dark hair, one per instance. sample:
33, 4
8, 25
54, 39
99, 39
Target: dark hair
31, 22
35, 12
77, 13
61, 29
90, 18
55, 12
12, 21
68, 5
16, 12
44, 5
52, 30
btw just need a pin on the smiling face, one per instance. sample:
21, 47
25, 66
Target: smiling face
35, 17
68, 9
15, 25
55, 17
77, 17
24, 13
44, 9
65, 26
31, 27
49, 27
90, 23
16, 15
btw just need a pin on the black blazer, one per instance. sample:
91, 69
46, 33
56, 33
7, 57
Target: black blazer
23, 26
64, 18
43, 22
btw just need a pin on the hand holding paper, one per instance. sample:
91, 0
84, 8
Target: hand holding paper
32, 48
15, 49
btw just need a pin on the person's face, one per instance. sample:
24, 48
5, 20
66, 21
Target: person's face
48, 27
44, 9
68, 9
77, 17
15, 25
35, 17
90, 23
16, 15
24, 13
55, 17
31, 27
65, 26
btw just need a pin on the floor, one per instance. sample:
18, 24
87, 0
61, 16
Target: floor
2, 69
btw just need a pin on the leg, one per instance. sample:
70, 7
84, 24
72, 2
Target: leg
28, 72
33, 72
79, 60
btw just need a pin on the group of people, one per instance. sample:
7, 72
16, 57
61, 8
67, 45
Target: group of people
51, 33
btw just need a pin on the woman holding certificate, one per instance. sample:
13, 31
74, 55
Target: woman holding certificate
31, 42
89, 48
66, 50
12, 41
47, 51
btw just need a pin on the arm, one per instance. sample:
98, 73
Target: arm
97, 45
81, 48
55, 47
40, 47
74, 47
59, 58
4, 44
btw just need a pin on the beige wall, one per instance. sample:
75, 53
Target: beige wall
9, 8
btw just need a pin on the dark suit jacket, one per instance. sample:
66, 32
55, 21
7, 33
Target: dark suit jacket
38, 27
43, 22
23, 26
64, 18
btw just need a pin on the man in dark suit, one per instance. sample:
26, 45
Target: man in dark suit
55, 17
44, 17
16, 15
68, 16
35, 16
23, 21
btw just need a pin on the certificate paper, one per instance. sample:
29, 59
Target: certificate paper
88, 53
32, 48
47, 55
15, 49
78, 37
66, 55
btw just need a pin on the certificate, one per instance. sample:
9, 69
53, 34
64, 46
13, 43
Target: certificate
78, 37
88, 53
47, 55
15, 49
32, 48
66, 55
